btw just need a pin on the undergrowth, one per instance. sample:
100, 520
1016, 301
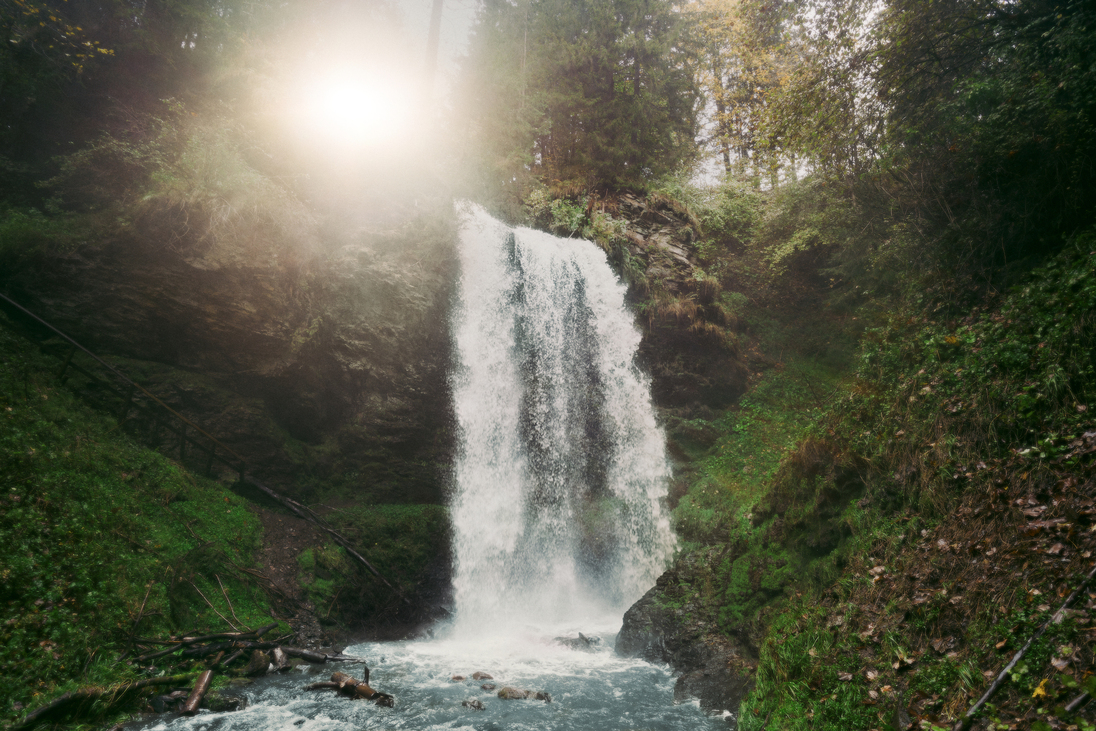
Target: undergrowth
972, 442
102, 541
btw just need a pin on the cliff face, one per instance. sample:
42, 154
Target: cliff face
322, 368
676, 623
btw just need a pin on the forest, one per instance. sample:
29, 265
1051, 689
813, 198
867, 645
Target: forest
871, 339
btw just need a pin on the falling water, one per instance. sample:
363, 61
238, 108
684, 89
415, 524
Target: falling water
557, 505
557, 518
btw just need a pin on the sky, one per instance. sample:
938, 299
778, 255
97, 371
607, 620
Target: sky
457, 17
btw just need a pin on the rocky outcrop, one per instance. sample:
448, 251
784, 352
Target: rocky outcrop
676, 623
328, 367
690, 344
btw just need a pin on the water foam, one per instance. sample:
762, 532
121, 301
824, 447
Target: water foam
561, 470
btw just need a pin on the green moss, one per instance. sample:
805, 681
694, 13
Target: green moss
101, 540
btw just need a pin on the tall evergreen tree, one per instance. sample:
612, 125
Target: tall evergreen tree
594, 92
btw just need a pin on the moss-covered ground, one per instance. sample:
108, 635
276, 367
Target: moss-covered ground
102, 541
891, 545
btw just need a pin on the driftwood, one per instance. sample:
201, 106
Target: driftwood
175, 643
354, 688
76, 697
201, 685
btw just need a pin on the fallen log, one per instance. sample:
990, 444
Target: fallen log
339, 657
230, 640
231, 658
322, 685
201, 685
319, 657
355, 688
77, 697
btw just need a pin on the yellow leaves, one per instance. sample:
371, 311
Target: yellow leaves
1040, 691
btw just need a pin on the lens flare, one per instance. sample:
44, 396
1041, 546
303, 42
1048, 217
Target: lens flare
370, 111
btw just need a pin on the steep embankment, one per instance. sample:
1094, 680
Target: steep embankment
933, 515
326, 371
103, 541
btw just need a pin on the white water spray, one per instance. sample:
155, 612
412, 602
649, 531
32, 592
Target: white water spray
561, 469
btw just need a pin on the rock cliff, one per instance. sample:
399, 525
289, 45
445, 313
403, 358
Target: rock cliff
322, 369
676, 623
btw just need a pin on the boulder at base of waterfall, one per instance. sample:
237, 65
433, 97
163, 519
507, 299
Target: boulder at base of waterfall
488, 686
473, 704
716, 664
513, 694
482, 676
582, 642
258, 665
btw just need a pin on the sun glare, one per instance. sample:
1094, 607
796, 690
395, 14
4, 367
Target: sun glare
374, 111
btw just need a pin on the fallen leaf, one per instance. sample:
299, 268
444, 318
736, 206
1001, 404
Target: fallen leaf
1055, 549
1040, 692
871, 674
844, 677
1059, 663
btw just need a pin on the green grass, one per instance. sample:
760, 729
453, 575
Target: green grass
102, 540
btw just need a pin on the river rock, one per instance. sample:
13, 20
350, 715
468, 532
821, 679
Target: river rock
258, 665
716, 666
478, 675
488, 686
220, 702
582, 642
511, 694
456, 679
473, 704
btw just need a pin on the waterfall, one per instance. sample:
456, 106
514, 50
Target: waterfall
561, 471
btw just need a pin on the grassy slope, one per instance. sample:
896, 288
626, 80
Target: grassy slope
101, 540
968, 444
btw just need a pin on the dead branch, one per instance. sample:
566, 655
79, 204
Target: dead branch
203, 596
968, 717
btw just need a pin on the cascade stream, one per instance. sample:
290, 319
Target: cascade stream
557, 516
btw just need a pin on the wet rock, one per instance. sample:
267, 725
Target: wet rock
582, 642
512, 694
221, 702
457, 679
488, 686
716, 666
347, 347
281, 660
473, 704
258, 665
478, 675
